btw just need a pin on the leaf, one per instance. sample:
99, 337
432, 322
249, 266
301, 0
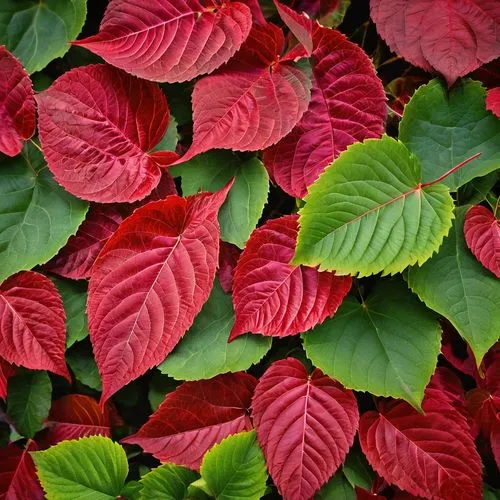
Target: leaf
453, 38
369, 212
169, 41
445, 127
357, 470
32, 319
305, 426
17, 104
82, 364
28, 401
204, 352
272, 297
92, 467
196, 416
493, 101
387, 345
6, 371
106, 121
246, 199
37, 32
348, 104
458, 287
159, 386
254, 100
30, 198
482, 235
149, 282
235, 468
337, 488
76, 258
167, 482
228, 258
299, 24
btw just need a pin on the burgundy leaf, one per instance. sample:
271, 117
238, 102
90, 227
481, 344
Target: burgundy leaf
450, 341
228, 258
482, 235
17, 104
96, 126
347, 105
6, 371
495, 441
253, 101
196, 416
493, 101
299, 24
453, 38
273, 297
149, 282
305, 426
170, 41
32, 323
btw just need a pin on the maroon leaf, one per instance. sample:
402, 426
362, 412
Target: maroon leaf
493, 101
273, 297
451, 340
453, 38
305, 426
149, 282
228, 258
17, 104
300, 25
104, 121
6, 371
32, 323
363, 494
495, 441
347, 105
170, 41
196, 416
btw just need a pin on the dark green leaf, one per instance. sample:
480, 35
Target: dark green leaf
338, 488
81, 361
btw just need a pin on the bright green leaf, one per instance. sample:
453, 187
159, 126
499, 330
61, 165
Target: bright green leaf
167, 482
337, 488
357, 470
368, 213
82, 363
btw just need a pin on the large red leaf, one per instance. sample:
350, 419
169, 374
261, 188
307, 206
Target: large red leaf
347, 105
170, 41
32, 323
253, 101
196, 416
305, 426
149, 282
482, 235
6, 371
273, 297
452, 37
17, 104
96, 126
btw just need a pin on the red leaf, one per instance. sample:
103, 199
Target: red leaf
482, 235
347, 105
17, 104
196, 416
149, 282
228, 258
105, 121
450, 341
32, 323
305, 426
453, 38
495, 441
493, 101
253, 101
299, 24
76, 258
272, 297
256, 9
6, 371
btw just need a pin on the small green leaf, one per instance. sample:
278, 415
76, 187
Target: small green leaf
337, 488
167, 482
387, 345
28, 400
159, 387
89, 468
204, 351
357, 470
170, 139
82, 363
242, 210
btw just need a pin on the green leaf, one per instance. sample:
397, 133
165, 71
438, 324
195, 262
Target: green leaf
387, 345
357, 470
37, 216
170, 139
457, 286
167, 482
28, 400
476, 191
132, 490
204, 351
88, 468
38, 31
337, 488
242, 210
444, 128
81, 361
159, 387
368, 212
235, 468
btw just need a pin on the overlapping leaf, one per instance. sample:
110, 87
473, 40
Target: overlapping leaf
299, 24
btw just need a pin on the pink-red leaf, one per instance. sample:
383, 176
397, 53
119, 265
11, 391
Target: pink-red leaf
6, 371
196, 416
96, 126
299, 24
32, 323
482, 235
170, 41
493, 101
17, 104
149, 282
228, 258
347, 105
451, 37
273, 297
305, 426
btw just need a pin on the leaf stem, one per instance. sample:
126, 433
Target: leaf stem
451, 171
36, 145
